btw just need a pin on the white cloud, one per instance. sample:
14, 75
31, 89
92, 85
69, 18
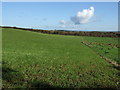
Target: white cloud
62, 22
84, 16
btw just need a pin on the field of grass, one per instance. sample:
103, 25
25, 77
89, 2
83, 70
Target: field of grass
109, 51
105, 40
38, 60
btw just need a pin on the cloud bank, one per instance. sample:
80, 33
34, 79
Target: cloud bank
84, 16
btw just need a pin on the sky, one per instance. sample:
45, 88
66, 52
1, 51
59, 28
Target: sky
78, 16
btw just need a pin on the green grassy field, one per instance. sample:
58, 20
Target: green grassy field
33, 59
105, 40
109, 51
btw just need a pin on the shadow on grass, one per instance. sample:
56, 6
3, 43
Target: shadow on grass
38, 84
11, 75
17, 79
116, 67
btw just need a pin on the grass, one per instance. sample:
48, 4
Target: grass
38, 60
105, 40
109, 51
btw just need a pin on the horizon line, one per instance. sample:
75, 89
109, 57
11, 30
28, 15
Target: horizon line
60, 29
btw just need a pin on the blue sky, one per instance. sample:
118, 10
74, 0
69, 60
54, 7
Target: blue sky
51, 15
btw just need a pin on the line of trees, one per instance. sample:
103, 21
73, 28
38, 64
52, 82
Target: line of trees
74, 33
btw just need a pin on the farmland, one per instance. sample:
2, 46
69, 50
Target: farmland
37, 60
107, 47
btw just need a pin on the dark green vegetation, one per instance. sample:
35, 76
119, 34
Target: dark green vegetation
73, 33
33, 59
